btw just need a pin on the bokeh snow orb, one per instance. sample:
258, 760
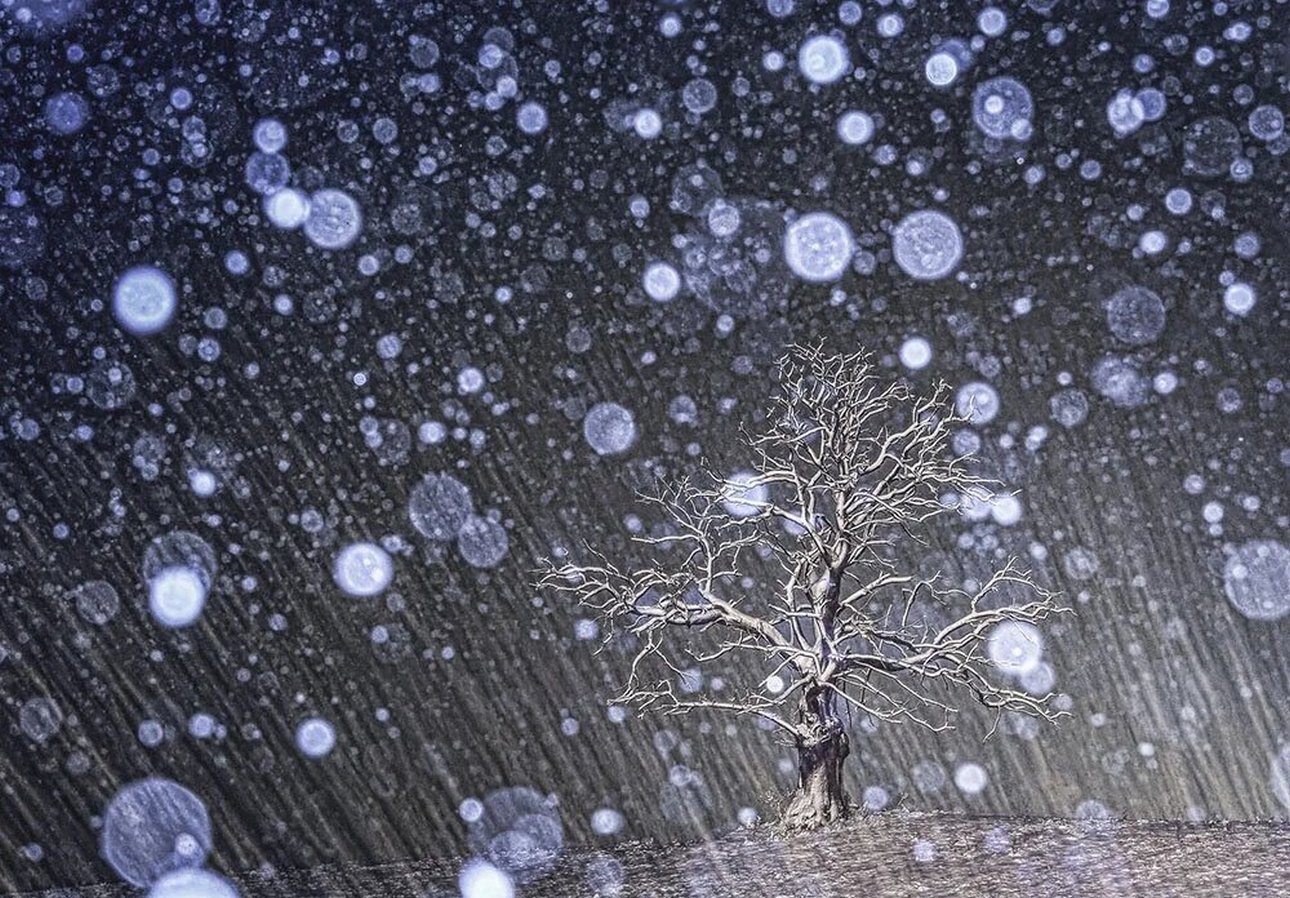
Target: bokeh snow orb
66, 113
269, 135
287, 208
267, 173
1135, 315
1080, 563
928, 776
153, 827
97, 601
970, 778
818, 247
363, 569
480, 879
915, 353
531, 118
176, 596
992, 21
1039, 681
334, 219
1120, 380
1154, 103
1015, 647
609, 428
1125, 113
1153, 242
1256, 579
1002, 109
978, 402
1267, 123
315, 737
1210, 146
662, 282
927, 245
823, 59
1005, 510
606, 821
891, 24
144, 300
724, 219
482, 542
192, 884
202, 483
875, 798
941, 69
647, 124
699, 95
1069, 407
1239, 298
742, 497
438, 506
40, 719
855, 128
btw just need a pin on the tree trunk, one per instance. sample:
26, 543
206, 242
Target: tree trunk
820, 798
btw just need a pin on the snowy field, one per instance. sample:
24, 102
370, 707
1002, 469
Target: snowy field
892, 855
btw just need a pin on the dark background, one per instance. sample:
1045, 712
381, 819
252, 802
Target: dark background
1155, 656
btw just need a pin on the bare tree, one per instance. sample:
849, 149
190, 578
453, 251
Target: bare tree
793, 563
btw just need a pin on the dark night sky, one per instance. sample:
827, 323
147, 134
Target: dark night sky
494, 296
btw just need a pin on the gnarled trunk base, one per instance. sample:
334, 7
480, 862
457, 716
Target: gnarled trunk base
820, 798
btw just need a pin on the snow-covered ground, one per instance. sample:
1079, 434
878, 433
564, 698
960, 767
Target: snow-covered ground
890, 855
